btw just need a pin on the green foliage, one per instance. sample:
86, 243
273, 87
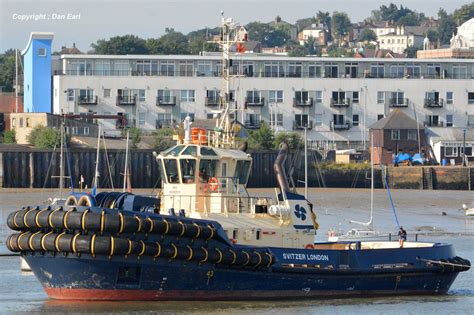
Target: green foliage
120, 45
162, 139
411, 51
297, 51
9, 136
344, 166
325, 19
464, 13
432, 36
266, 34
334, 51
446, 27
340, 24
400, 16
7, 70
293, 140
171, 42
262, 138
367, 35
44, 137
301, 24
135, 137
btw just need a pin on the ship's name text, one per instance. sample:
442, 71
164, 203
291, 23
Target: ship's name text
305, 256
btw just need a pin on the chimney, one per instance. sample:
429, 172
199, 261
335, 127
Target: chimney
73, 45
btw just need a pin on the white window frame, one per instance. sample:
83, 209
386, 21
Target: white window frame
188, 96
395, 134
455, 152
275, 96
319, 97
449, 97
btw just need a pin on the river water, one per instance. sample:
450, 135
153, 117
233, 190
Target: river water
433, 215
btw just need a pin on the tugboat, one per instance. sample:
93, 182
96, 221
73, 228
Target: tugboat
205, 238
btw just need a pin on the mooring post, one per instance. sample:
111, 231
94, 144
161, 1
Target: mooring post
1, 170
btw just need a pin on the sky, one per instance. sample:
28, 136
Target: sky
84, 21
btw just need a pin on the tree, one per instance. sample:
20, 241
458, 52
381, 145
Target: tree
44, 137
120, 45
411, 51
297, 51
171, 42
266, 34
7, 70
163, 139
432, 36
135, 136
325, 19
262, 138
446, 27
293, 140
367, 35
310, 45
301, 24
340, 24
334, 51
9, 136
464, 13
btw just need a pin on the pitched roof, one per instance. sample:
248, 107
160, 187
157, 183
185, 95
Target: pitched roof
397, 120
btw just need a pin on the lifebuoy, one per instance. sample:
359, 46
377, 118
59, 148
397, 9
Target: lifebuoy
309, 246
213, 184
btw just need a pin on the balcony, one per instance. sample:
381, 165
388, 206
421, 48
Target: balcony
434, 103
340, 126
297, 102
301, 125
87, 100
398, 102
434, 124
251, 124
126, 100
254, 101
212, 101
166, 100
340, 102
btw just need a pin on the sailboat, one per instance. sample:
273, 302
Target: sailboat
361, 233
204, 238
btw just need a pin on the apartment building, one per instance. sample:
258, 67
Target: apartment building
336, 99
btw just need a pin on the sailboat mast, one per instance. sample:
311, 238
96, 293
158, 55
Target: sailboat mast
125, 173
305, 163
371, 180
96, 174
16, 80
61, 163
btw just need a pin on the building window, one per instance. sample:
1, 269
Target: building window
275, 96
413, 71
318, 119
355, 120
163, 120
377, 70
28, 123
380, 97
74, 130
141, 95
449, 98
470, 97
355, 97
252, 120
102, 68
379, 116
396, 134
331, 70
186, 69
449, 120
165, 96
459, 72
470, 120
13, 122
141, 118
106, 93
167, 68
42, 52
273, 70
21, 122
301, 120
314, 71
86, 131
294, 69
302, 96
450, 151
469, 151
187, 96
412, 135
279, 119
319, 97
204, 69
71, 95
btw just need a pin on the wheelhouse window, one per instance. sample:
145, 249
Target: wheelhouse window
188, 170
242, 170
171, 170
207, 169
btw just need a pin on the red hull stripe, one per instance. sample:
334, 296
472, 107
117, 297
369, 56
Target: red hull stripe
153, 295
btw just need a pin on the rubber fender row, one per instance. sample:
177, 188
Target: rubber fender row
116, 246
455, 264
34, 218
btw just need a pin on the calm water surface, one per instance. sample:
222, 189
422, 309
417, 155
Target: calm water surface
434, 213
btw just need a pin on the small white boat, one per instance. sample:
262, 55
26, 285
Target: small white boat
24, 265
468, 210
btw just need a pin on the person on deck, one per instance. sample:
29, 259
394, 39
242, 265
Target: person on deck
402, 234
